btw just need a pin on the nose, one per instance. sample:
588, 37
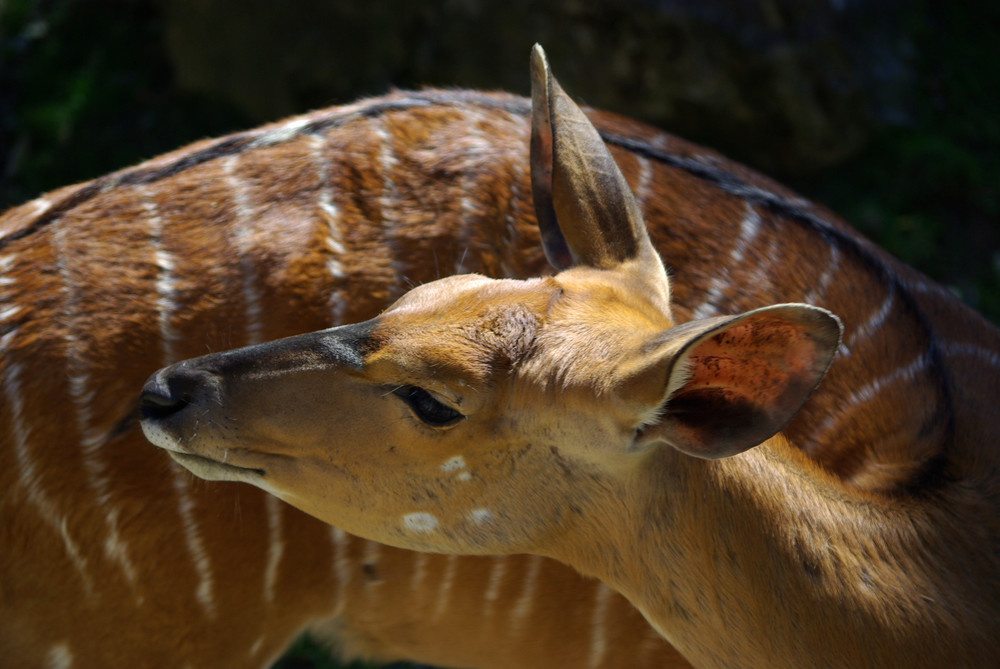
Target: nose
169, 390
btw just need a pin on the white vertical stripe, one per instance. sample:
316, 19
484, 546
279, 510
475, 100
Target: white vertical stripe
389, 199
749, 227
60, 656
526, 600
256, 646
642, 184
475, 146
166, 303
464, 234
329, 212
275, 546
874, 322
598, 626
192, 538
445, 587
334, 239
29, 477
243, 233
91, 439
79, 380
341, 566
497, 574
420, 561
818, 291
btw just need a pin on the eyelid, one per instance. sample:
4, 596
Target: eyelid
427, 406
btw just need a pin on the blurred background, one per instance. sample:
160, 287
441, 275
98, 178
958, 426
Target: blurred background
884, 111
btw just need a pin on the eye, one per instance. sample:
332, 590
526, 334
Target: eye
428, 409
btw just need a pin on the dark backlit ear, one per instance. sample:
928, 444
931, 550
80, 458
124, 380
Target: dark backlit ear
734, 382
586, 212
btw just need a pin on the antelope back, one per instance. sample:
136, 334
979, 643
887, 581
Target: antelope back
111, 553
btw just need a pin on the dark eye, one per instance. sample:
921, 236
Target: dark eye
428, 409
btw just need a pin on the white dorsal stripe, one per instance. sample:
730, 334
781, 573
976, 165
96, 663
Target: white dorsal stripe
869, 392
818, 292
165, 283
643, 182
243, 213
328, 210
388, 200
749, 228
874, 322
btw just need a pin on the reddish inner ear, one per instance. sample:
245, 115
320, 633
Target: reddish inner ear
744, 384
756, 361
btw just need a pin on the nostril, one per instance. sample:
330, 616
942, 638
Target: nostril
153, 403
167, 392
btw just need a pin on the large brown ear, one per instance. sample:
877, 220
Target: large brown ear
733, 382
586, 212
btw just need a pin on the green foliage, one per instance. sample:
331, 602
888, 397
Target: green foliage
927, 187
86, 89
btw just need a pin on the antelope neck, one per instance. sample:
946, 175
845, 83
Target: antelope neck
754, 561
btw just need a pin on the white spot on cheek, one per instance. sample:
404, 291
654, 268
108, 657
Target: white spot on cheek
464, 476
420, 522
453, 464
480, 516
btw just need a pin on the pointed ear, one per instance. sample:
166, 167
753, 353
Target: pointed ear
734, 382
586, 212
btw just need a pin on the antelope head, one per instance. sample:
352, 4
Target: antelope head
484, 416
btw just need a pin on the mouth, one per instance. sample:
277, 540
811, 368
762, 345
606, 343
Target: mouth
213, 470
199, 465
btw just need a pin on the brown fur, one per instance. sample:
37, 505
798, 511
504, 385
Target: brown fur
83, 269
580, 451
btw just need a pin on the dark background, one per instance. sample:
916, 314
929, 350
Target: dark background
885, 111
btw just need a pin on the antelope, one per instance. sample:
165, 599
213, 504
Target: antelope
112, 555
573, 417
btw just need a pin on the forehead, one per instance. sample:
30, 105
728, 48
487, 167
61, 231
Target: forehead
469, 294
469, 326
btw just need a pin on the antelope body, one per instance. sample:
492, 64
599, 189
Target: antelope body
113, 556
572, 417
